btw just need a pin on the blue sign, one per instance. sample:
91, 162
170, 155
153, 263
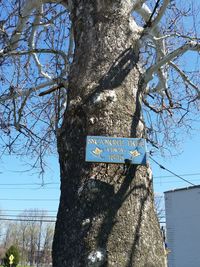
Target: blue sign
116, 150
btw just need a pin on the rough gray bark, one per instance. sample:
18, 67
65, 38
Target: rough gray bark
106, 215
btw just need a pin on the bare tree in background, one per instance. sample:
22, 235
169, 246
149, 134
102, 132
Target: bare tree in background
1, 226
11, 235
48, 233
32, 228
32, 233
113, 68
159, 206
23, 242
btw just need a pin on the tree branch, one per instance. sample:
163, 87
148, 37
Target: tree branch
185, 77
52, 89
149, 22
71, 43
26, 11
189, 46
31, 42
25, 92
36, 50
144, 11
161, 12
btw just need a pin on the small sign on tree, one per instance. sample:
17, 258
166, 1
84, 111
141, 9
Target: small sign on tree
116, 150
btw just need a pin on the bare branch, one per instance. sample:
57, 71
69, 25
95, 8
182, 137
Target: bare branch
174, 34
25, 92
71, 43
150, 106
36, 50
161, 12
52, 89
28, 7
185, 77
149, 22
189, 46
137, 4
144, 11
147, 14
31, 42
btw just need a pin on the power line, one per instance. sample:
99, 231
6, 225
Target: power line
174, 182
164, 168
29, 188
23, 184
27, 199
30, 210
184, 174
27, 216
26, 220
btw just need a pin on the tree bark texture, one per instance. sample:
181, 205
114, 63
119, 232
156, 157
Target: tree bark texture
106, 215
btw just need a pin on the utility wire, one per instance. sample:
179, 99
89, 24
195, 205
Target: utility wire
27, 199
184, 174
39, 184
26, 220
148, 24
43, 186
30, 210
164, 168
174, 182
27, 216
29, 188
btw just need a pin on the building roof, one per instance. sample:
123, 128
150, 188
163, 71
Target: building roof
183, 188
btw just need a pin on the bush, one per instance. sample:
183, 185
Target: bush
11, 251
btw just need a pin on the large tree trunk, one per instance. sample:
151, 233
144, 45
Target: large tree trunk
106, 215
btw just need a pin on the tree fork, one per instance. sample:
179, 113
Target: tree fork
106, 214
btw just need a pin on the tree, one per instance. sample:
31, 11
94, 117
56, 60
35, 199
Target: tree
12, 251
2, 254
159, 206
32, 234
118, 64
48, 233
11, 236
1, 226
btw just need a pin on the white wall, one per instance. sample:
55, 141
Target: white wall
183, 227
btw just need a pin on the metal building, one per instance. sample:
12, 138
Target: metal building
182, 207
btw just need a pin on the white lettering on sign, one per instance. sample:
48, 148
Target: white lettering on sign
109, 142
116, 149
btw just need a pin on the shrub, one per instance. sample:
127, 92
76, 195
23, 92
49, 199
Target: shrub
11, 251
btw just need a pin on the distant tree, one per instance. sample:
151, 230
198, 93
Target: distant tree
2, 253
31, 230
0, 225
13, 250
47, 237
32, 235
11, 235
159, 206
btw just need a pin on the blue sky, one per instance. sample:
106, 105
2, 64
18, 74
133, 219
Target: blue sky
24, 190
185, 163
